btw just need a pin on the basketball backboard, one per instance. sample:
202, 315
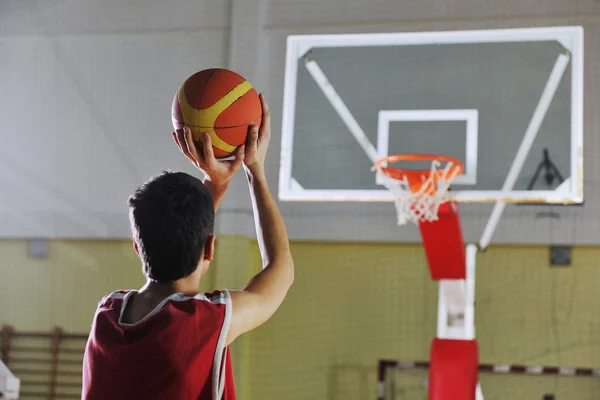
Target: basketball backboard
507, 103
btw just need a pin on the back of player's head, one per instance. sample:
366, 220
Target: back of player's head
172, 216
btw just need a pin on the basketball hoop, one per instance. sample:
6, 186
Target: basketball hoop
419, 193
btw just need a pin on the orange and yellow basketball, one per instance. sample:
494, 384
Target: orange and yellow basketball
219, 102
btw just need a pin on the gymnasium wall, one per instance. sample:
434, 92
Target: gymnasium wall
85, 106
351, 304
64, 288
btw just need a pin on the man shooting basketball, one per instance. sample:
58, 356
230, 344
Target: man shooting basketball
166, 340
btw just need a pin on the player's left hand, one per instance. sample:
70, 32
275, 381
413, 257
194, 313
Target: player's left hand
218, 172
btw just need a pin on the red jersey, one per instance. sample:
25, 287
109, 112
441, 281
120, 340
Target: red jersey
175, 352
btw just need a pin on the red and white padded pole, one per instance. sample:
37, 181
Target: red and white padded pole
453, 373
454, 352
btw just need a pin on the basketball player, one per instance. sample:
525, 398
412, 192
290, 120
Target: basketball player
166, 340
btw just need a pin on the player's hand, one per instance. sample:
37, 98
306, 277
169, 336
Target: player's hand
257, 141
218, 172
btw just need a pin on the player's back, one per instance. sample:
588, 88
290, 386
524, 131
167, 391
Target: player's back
177, 351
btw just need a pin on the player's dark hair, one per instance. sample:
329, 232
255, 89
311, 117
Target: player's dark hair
172, 216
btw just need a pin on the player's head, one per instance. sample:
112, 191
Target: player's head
172, 219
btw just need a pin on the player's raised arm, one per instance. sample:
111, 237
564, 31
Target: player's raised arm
264, 293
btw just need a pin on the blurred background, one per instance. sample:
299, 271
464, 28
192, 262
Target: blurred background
85, 96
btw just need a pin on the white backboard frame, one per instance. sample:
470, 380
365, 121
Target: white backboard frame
571, 37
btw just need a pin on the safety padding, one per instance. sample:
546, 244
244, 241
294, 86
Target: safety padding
453, 369
444, 245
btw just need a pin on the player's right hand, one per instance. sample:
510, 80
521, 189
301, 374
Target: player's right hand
218, 172
257, 141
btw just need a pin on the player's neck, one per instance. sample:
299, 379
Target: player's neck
187, 285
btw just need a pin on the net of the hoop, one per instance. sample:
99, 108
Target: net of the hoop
421, 201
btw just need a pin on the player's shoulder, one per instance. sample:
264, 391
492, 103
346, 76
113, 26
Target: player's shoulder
204, 305
216, 297
117, 295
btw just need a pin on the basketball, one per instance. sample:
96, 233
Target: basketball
219, 102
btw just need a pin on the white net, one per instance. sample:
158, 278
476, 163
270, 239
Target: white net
422, 204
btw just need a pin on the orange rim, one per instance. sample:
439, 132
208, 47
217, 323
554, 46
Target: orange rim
414, 177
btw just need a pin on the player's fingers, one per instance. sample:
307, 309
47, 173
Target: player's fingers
239, 157
209, 155
185, 147
176, 139
181, 143
190, 145
174, 135
252, 140
265, 124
